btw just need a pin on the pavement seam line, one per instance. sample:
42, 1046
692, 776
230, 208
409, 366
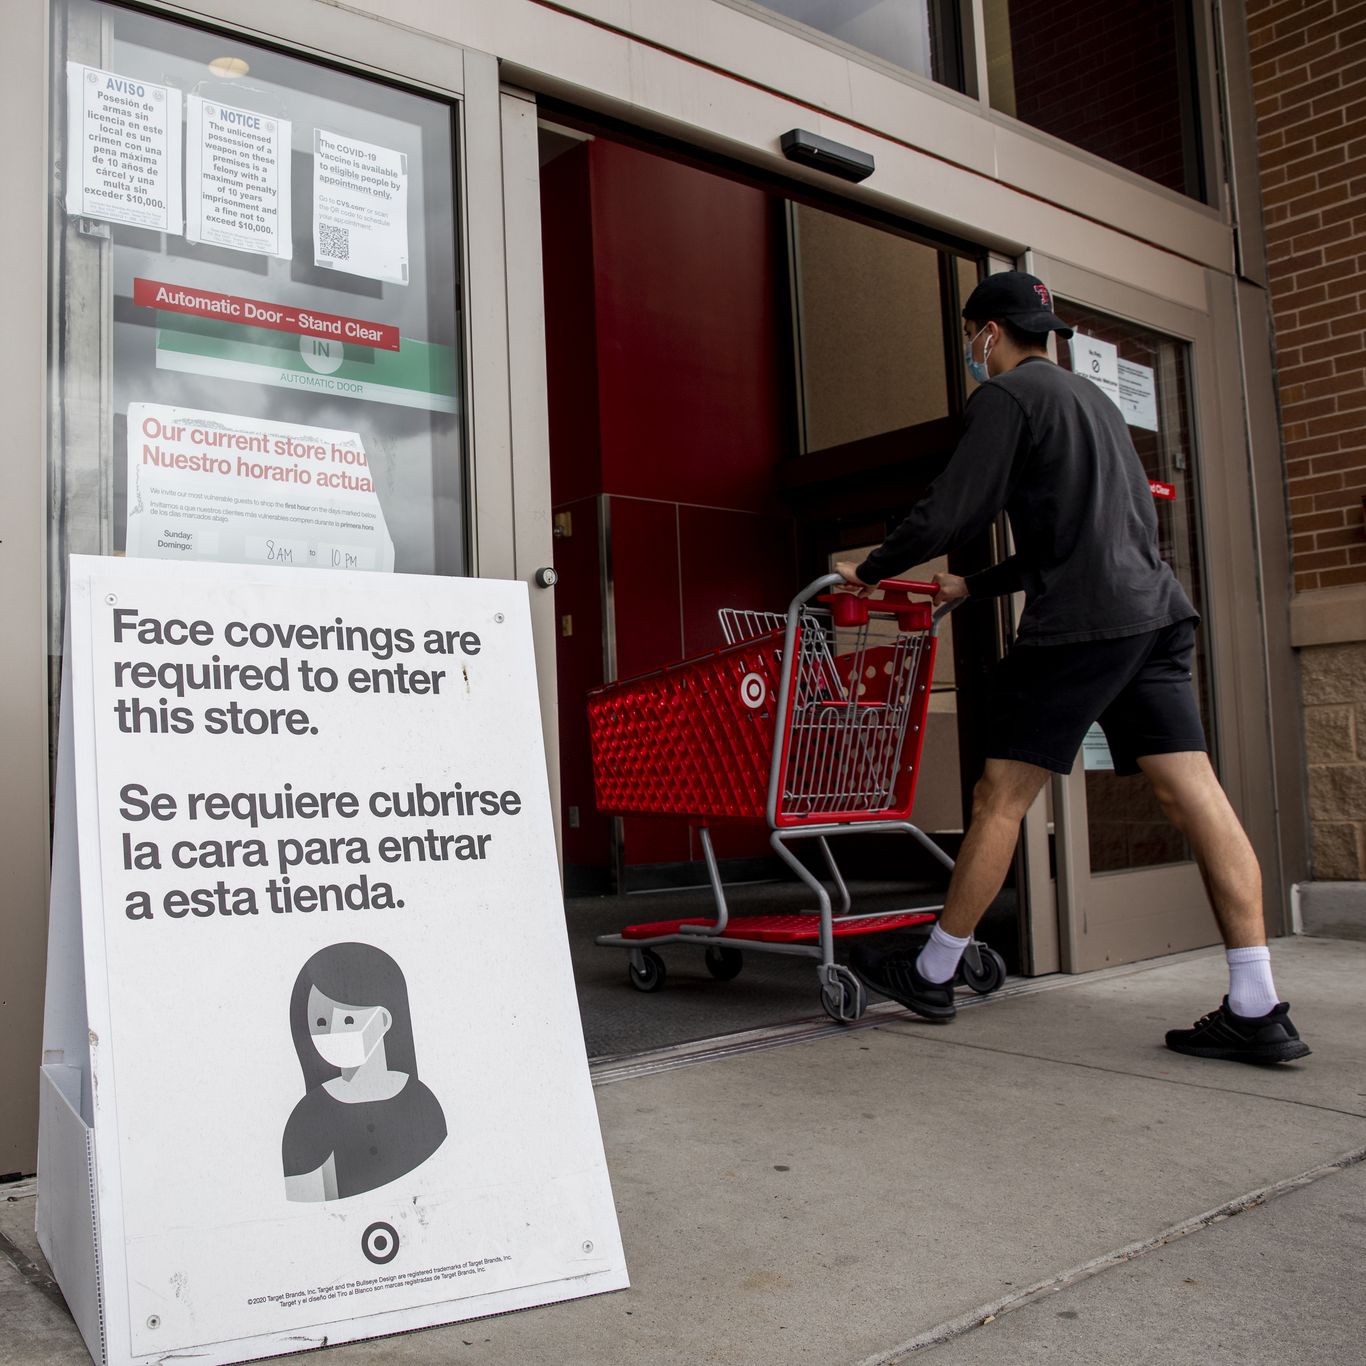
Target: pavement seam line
919, 1032
1084, 1271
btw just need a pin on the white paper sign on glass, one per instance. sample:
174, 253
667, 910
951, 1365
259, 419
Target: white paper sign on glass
1095, 751
218, 486
1098, 361
237, 178
1138, 395
311, 1013
123, 149
360, 207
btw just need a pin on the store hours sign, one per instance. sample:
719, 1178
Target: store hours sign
312, 1055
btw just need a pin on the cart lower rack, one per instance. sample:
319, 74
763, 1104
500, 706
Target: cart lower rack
811, 723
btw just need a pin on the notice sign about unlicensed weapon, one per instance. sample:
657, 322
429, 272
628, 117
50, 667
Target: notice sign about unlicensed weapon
360, 207
309, 947
242, 490
123, 149
237, 178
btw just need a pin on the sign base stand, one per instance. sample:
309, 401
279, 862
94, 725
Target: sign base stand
68, 1213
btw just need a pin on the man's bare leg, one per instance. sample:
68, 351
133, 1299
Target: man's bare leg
1256, 1026
924, 983
1194, 802
1005, 791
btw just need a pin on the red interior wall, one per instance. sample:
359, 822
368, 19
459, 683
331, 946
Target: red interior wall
570, 326
666, 364
689, 373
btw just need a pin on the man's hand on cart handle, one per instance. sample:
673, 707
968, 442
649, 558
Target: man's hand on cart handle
953, 588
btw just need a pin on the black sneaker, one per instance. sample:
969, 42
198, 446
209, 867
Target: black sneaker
1240, 1038
893, 974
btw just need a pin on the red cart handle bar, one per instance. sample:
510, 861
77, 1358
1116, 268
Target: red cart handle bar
901, 587
908, 586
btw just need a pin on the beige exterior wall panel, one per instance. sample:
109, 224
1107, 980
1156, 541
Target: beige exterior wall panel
1326, 616
725, 38
1089, 187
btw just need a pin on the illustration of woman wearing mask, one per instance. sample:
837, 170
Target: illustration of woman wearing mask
365, 1119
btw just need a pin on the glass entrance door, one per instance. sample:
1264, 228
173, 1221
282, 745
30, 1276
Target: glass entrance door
1128, 885
1147, 375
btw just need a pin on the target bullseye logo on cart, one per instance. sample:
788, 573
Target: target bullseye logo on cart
379, 1242
753, 691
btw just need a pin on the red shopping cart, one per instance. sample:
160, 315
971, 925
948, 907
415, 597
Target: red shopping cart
810, 722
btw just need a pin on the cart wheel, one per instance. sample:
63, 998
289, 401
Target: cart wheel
723, 962
992, 975
649, 976
842, 995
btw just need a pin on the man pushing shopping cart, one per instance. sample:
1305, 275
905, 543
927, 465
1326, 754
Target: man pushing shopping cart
1106, 636
808, 722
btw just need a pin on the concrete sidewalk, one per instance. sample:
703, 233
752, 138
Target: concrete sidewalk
872, 1194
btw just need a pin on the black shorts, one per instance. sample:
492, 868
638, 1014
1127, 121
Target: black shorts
1042, 699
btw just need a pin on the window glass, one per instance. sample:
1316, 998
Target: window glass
256, 306
921, 36
870, 329
1115, 80
1147, 375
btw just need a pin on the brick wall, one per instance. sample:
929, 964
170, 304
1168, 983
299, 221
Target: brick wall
1309, 82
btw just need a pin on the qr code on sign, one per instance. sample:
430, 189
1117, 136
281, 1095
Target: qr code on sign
334, 243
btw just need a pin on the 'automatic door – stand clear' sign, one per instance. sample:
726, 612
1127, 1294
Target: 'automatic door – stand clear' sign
313, 1069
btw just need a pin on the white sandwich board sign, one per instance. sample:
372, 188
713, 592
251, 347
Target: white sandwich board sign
313, 1069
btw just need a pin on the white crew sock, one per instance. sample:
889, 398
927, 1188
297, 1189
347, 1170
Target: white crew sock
1250, 989
938, 960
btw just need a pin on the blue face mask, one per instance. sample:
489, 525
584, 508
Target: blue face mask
977, 368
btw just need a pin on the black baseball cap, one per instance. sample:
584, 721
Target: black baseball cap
1017, 297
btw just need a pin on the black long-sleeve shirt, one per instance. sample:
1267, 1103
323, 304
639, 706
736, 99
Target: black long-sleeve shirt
1051, 449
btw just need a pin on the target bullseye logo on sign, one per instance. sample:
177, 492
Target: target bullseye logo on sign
379, 1242
753, 691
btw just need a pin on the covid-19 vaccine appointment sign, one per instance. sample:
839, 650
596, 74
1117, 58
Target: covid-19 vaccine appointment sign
312, 1054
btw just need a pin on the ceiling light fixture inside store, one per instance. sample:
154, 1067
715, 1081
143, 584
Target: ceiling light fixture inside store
229, 67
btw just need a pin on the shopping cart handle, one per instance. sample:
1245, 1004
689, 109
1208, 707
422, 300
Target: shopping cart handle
908, 586
902, 589
929, 589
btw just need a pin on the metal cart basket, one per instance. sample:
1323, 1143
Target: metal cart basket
811, 723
